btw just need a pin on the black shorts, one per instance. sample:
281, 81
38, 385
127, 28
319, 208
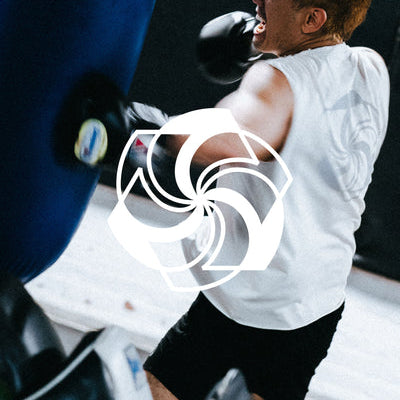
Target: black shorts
204, 344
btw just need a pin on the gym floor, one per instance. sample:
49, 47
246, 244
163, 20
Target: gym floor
97, 283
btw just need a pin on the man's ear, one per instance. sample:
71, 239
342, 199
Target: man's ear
315, 19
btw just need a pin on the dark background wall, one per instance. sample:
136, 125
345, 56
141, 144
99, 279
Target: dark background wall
167, 77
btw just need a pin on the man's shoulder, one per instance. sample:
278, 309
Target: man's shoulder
372, 66
264, 80
365, 51
369, 55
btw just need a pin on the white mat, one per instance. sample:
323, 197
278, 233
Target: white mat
96, 283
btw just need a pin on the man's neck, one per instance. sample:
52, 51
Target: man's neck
311, 44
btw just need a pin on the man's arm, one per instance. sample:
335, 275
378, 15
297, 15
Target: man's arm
263, 105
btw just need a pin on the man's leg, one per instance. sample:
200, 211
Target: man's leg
192, 357
200, 349
158, 390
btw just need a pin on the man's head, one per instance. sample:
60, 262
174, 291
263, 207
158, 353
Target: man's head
290, 26
343, 16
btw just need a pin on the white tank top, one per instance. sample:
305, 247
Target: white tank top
340, 118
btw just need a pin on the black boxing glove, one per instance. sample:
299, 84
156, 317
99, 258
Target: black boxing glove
30, 351
225, 50
144, 117
138, 116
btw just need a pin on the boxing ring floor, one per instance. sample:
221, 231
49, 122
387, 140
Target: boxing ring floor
96, 283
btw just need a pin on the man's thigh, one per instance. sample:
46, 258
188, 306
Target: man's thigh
160, 392
204, 344
189, 360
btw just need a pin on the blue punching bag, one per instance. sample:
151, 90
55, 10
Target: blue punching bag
61, 62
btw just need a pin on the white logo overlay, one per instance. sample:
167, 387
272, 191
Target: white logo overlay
201, 200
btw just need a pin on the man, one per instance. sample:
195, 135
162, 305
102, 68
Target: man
323, 106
